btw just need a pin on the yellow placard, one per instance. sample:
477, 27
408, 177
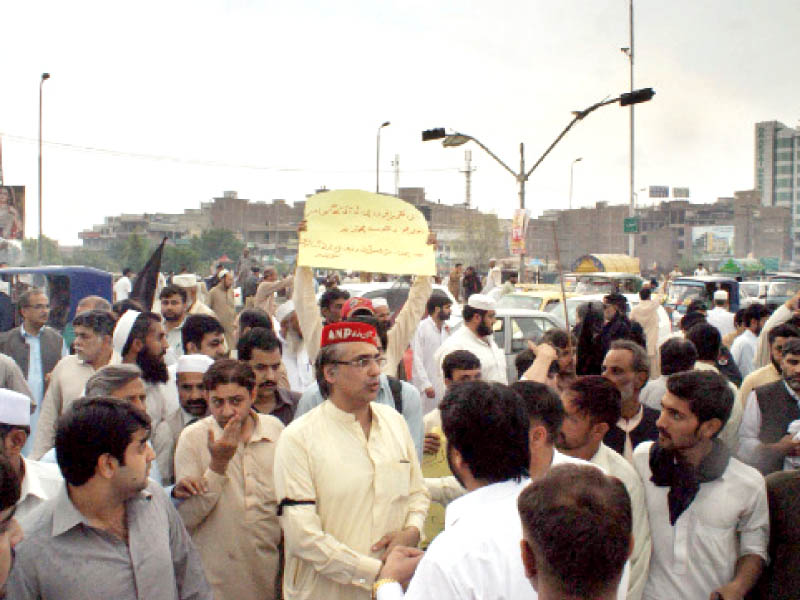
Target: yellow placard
360, 231
435, 465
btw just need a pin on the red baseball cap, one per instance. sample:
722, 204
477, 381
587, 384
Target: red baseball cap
345, 331
357, 304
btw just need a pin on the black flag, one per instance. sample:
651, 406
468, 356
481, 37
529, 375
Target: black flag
146, 282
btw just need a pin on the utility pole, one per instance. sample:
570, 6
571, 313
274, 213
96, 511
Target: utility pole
632, 209
468, 170
396, 165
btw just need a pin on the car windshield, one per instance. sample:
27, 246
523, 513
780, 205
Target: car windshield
783, 289
748, 290
595, 286
683, 293
519, 301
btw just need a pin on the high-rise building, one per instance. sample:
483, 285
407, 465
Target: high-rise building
777, 171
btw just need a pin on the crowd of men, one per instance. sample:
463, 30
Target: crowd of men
195, 452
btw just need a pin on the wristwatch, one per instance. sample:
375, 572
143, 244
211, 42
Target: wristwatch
379, 583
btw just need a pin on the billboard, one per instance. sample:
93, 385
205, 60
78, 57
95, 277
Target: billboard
659, 191
680, 192
713, 241
519, 225
12, 212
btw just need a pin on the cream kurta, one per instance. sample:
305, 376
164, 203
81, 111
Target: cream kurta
221, 302
234, 525
757, 378
360, 489
67, 382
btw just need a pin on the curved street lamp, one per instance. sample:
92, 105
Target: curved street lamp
571, 169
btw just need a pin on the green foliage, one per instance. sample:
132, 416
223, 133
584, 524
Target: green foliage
176, 257
213, 243
132, 252
50, 253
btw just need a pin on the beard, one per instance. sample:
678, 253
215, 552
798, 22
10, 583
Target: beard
294, 341
483, 329
452, 470
792, 382
154, 369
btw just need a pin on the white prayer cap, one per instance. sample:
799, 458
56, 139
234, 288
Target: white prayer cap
122, 331
482, 302
15, 408
378, 302
193, 363
284, 310
721, 295
185, 280
222, 273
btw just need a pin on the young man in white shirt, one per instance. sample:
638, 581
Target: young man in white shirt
719, 316
746, 345
123, 287
430, 335
709, 518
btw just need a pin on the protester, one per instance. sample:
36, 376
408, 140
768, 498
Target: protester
173, 310
295, 356
330, 305
124, 285
244, 266
39, 481
592, 407
337, 522
12, 378
700, 271
250, 287
234, 523
589, 353
194, 305
627, 367
646, 315
510, 286
677, 354
708, 512
475, 335
431, 333
454, 281
10, 531
746, 345
738, 329
616, 324
470, 284
193, 400
261, 349
777, 337
35, 347
204, 334
765, 437
720, 316
494, 278
220, 300
109, 532
789, 311
140, 340
94, 350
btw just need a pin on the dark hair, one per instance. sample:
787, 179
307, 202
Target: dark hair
123, 306
462, 360
738, 317
784, 330
227, 370
542, 404
578, 522
754, 312
258, 337
126, 270
90, 428
25, 297
617, 300
706, 339
708, 394
677, 355
102, 322
254, 317
558, 338
10, 484
196, 327
468, 312
436, 301
690, 319
523, 361
328, 355
332, 295
696, 305
487, 424
792, 346
172, 290
645, 293
598, 398
140, 328
640, 360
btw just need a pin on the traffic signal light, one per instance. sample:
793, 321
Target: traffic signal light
433, 134
636, 96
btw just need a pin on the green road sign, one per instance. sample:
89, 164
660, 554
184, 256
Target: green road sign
631, 225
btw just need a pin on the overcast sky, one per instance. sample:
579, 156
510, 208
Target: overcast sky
275, 99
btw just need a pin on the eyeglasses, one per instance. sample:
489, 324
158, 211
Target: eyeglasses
363, 363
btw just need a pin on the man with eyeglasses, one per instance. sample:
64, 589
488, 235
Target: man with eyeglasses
34, 346
347, 478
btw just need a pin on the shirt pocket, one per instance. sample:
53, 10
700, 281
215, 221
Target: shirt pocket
393, 481
715, 544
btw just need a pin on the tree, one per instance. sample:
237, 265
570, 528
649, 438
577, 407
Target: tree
50, 252
213, 243
132, 252
176, 257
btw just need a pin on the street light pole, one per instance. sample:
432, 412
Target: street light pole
45, 77
632, 209
458, 139
571, 169
378, 159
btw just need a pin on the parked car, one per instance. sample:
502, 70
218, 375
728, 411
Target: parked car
682, 290
531, 300
514, 327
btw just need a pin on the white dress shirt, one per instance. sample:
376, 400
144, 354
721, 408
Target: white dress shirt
492, 358
722, 320
653, 392
744, 352
749, 442
122, 289
298, 368
40, 483
427, 341
478, 556
728, 519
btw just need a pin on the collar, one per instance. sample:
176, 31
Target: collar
792, 393
26, 335
628, 425
283, 397
478, 500
750, 334
66, 516
31, 483
337, 414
